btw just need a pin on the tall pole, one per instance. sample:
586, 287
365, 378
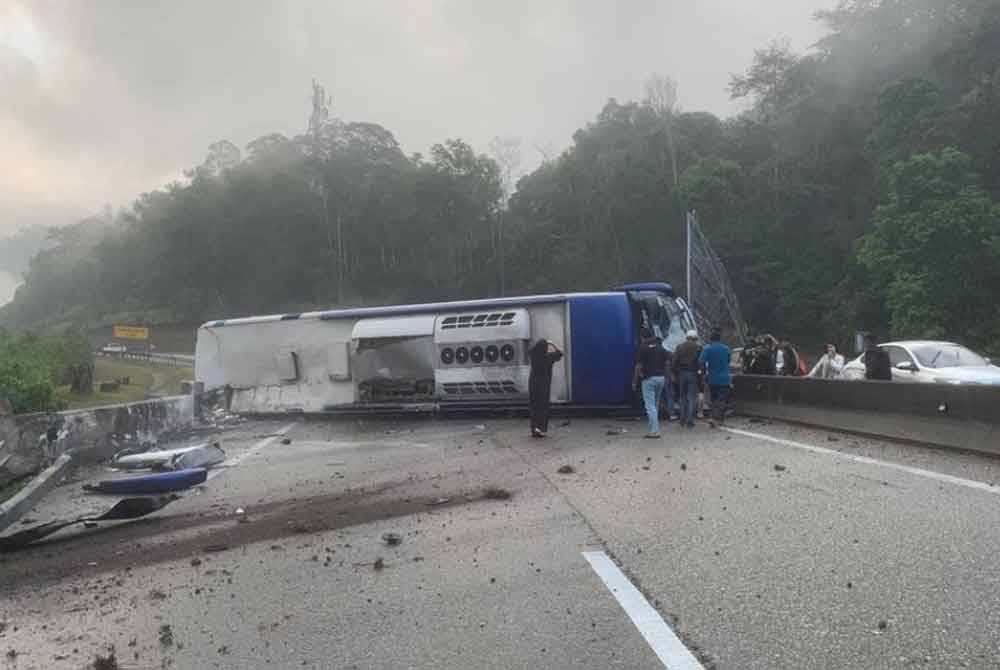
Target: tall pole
503, 266
690, 217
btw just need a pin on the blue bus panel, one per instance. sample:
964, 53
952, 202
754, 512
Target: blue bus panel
602, 349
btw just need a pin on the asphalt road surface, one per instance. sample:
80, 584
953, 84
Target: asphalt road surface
763, 547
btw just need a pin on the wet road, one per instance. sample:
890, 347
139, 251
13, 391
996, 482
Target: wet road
773, 547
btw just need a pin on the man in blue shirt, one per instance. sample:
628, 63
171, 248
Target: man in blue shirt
715, 359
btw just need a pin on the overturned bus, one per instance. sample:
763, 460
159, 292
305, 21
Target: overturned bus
470, 353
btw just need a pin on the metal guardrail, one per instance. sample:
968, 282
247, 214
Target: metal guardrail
175, 360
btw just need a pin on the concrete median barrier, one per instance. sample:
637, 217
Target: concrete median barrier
955, 416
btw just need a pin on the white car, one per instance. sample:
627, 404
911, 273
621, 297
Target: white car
929, 361
114, 348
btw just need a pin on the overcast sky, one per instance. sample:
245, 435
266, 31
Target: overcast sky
101, 100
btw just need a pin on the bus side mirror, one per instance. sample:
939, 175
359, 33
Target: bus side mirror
906, 366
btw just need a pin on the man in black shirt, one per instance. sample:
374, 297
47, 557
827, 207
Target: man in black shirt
652, 368
877, 364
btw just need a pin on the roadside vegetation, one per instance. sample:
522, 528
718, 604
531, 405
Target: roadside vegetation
33, 367
52, 372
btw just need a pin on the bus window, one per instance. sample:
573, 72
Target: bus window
659, 315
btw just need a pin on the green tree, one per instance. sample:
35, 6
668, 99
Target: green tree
934, 249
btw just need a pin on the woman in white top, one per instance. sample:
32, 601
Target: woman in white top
830, 365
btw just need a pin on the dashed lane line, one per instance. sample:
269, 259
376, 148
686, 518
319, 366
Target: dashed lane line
235, 460
658, 635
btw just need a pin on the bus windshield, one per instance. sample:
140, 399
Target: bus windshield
663, 316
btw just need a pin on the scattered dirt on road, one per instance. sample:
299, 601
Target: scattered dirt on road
128, 545
566, 470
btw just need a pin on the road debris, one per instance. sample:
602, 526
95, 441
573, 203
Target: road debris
129, 508
286, 440
379, 564
195, 562
163, 482
392, 539
779, 468
617, 431
215, 548
109, 662
204, 457
157, 594
439, 501
496, 493
166, 635
566, 470
183, 458
299, 527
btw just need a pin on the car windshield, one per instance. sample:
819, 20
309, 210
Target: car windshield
947, 356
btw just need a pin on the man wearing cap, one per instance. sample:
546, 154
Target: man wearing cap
685, 369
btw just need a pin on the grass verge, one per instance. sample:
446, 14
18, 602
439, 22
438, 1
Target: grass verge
145, 377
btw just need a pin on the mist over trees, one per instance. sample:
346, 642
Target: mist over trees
860, 189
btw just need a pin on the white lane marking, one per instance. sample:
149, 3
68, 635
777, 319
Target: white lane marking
658, 635
235, 460
929, 474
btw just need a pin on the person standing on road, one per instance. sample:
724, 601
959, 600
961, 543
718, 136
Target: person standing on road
788, 359
685, 369
652, 367
715, 359
877, 364
830, 365
543, 356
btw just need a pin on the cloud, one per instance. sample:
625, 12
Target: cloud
105, 99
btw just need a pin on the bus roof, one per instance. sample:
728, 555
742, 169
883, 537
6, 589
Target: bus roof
659, 287
404, 310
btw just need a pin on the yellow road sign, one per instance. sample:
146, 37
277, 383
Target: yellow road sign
131, 333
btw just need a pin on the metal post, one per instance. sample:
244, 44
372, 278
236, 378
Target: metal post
690, 215
503, 266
